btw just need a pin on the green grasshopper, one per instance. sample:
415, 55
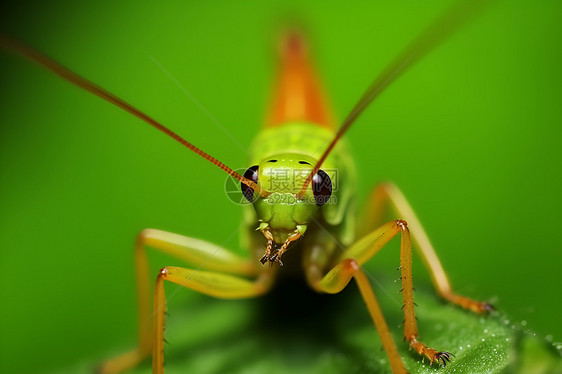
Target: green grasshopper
299, 189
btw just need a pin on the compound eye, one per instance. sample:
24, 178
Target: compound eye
321, 187
251, 174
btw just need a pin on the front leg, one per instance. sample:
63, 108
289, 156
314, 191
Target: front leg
349, 266
215, 284
190, 250
389, 193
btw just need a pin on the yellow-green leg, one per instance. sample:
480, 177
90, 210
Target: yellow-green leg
199, 253
215, 284
349, 266
387, 193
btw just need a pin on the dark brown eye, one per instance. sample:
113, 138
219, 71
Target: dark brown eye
251, 174
321, 187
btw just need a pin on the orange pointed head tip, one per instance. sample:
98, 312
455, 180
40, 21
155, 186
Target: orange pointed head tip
292, 43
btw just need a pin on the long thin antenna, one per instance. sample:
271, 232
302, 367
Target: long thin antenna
443, 27
72, 77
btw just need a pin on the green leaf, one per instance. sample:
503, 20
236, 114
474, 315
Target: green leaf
297, 331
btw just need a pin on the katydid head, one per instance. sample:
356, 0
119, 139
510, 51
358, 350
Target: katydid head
284, 214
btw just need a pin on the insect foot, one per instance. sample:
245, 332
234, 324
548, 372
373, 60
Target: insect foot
442, 358
487, 307
433, 355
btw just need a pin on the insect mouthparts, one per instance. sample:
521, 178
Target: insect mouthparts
273, 255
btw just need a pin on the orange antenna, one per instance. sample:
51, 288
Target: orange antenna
431, 37
93, 88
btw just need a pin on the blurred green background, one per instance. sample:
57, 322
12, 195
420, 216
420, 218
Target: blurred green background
472, 135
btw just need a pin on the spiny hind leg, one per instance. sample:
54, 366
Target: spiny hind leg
349, 266
386, 193
190, 250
